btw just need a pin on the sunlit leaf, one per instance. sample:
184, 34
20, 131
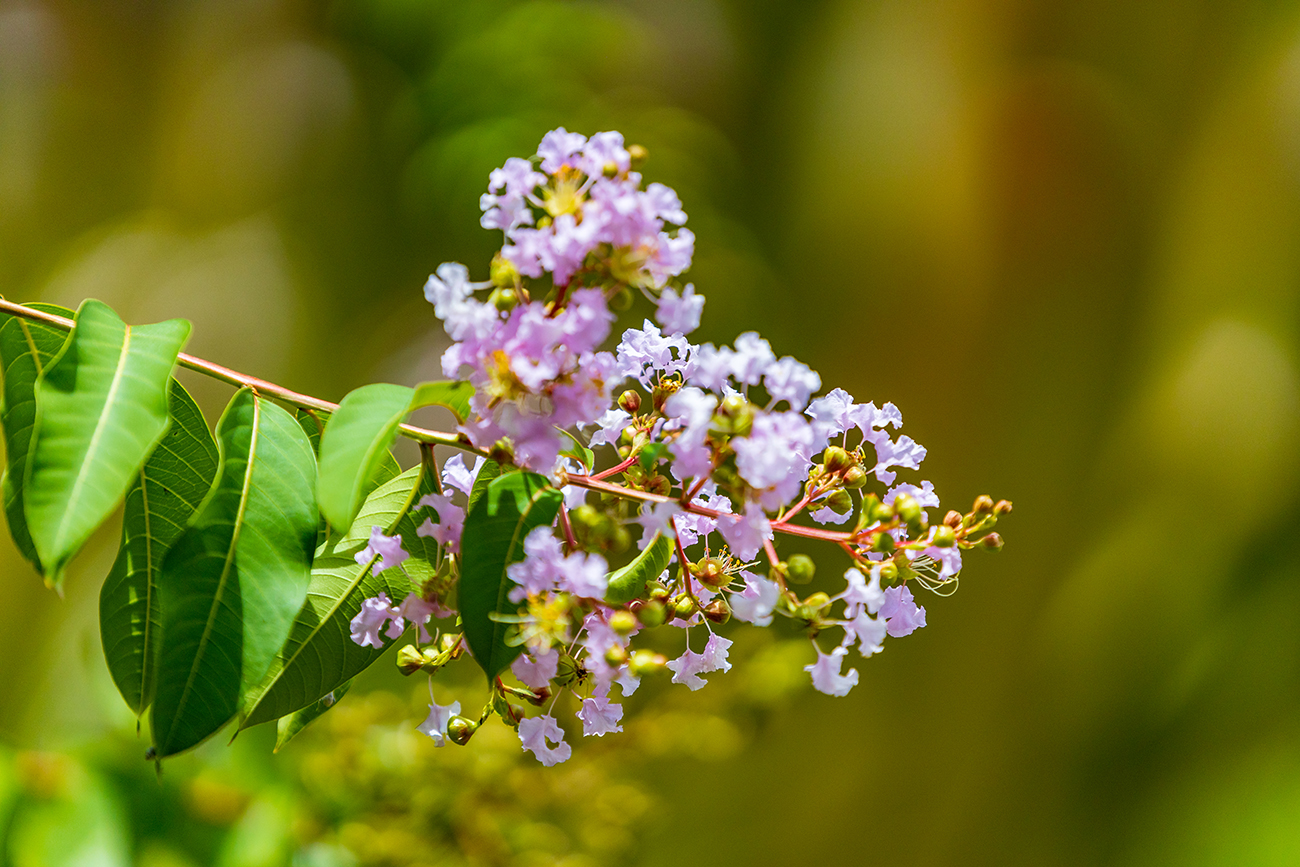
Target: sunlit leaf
629, 582
101, 407
495, 527
159, 505
288, 727
233, 583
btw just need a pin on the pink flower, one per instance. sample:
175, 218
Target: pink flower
387, 548
537, 733
435, 726
826, 675
451, 521
901, 612
600, 716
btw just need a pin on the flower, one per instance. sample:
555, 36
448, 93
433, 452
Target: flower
826, 675
456, 475
435, 726
901, 612
791, 381
600, 716
869, 632
387, 548
546, 567
536, 735
746, 533
688, 667
680, 314
757, 601
374, 613
451, 521
860, 594
536, 671
415, 609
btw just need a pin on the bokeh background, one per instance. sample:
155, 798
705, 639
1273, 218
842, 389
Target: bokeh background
1063, 237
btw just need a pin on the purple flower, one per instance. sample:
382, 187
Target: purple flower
387, 548
680, 314
752, 358
791, 381
558, 148
435, 726
545, 567
869, 633
537, 733
451, 521
605, 149
830, 413
860, 594
415, 609
757, 601
536, 672
645, 353
374, 613
456, 475
901, 612
826, 675
600, 716
688, 667
949, 560
609, 427
746, 533
906, 452
692, 411
776, 455
923, 495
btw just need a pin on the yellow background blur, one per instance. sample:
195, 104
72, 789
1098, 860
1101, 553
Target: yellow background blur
1063, 237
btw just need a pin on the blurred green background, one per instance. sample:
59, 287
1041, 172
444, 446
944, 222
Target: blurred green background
1063, 237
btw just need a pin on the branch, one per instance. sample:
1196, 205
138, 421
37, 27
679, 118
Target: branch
234, 377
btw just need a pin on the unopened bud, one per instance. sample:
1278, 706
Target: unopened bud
888, 571
944, 537
800, 569
460, 729
616, 655
503, 272
812, 609
884, 543
629, 401
409, 660
656, 591
907, 508
991, 542
836, 459
610, 170
840, 502
684, 607
735, 416
717, 611
952, 519
504, 299
651, 613
638, 154
645, 662
623, 622
855, 477
983, 505
710, 571
1003, 507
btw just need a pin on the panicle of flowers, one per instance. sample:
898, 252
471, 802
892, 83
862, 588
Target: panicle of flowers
710, 453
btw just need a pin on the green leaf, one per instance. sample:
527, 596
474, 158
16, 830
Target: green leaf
231, 586
650, 455
320, 654
163, 498
495, 528
26, 347
360, 433
453, 395
579, 452
629, 582
487, 474
101, 407
288, 727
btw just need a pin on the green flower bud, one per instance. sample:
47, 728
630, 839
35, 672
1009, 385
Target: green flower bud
735, 416
651, 612
502, 272
684, 607
840, 502
503, 299
800, 569
991, 542
855, 477
888, 571
983, 505
836, 459
1003, 507
645, 662
884, 543
908, 508
712, 572
629, 401
717, 611
623, 622
657, 591
460, 729
638, 154
503, 452
944, 537
409, 660
616, 655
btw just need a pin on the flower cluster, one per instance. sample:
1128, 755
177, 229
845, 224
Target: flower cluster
709, 451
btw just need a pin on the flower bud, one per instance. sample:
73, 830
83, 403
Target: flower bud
711, 571
503, 452
502, 272
1003, 507
645, 662
504, 299
638, 154
650, 613
813, 608
991, 542
656, 591
855, 477
944, 537
622, 300
884, 543
660, 485
888, 571
952, 519
800, 569
907, 508
684, 607
629, 401
735, 416
717, 611
409, 660
836, 459
840, 502
616, 655
623, 622
460, 729
983, 505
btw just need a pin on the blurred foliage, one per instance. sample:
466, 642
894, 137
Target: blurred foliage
1062, 237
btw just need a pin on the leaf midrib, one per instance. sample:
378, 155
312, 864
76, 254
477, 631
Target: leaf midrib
229, 560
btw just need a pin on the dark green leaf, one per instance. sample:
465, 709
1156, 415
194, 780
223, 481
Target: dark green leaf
101, 407
287, 727
320, 654
170, 487
629, 582
26, 347
232, 584
495, 528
